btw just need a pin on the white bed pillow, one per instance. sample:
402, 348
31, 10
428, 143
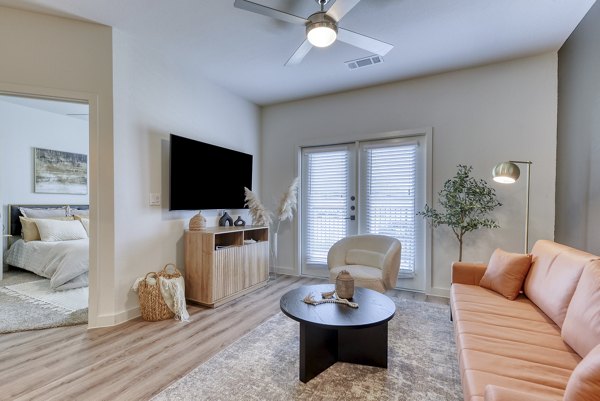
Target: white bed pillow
85, 222
29, 230
43, 213
57, 230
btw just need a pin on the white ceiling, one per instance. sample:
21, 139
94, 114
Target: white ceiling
246, 52
70, 109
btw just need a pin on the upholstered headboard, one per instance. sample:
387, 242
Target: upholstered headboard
14, 223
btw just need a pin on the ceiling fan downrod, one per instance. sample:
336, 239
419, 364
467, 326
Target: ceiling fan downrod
322, 3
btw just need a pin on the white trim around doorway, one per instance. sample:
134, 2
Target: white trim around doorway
92, 99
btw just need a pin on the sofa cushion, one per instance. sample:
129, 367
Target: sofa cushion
475, 382
584, 383
515, 368
495, 393
553, 276
581, 329
523, 336
505, 273
543, 353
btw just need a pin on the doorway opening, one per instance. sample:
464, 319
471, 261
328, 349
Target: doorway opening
365, 187
44, 198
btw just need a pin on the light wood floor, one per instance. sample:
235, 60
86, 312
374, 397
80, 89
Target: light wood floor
137, 359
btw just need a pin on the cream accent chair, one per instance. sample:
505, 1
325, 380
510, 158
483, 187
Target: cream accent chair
372, 260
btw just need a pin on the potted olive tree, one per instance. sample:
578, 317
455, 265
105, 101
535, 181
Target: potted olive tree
465, 204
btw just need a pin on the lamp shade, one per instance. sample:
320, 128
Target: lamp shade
321, 31
506, 172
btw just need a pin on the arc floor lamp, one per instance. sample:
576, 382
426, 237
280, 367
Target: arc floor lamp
508, 173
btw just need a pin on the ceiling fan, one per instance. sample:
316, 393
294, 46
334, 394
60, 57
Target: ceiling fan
322, 28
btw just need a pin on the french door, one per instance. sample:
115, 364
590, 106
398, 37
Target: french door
365, 187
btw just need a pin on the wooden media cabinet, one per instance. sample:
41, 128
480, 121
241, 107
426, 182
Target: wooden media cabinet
224, 263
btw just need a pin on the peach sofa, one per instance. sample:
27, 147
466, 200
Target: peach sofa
531, 349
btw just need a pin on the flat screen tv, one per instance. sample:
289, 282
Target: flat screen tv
204, 176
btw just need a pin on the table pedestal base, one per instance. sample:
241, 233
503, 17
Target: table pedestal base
320, 348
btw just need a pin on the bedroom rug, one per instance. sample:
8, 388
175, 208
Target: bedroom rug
263, 365
27, 303
40, 292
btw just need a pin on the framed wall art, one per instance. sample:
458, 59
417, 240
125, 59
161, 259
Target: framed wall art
58, 172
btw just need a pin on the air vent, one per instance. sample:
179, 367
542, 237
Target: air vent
364, 62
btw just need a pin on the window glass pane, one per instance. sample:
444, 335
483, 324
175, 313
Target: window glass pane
390, 181
326, 189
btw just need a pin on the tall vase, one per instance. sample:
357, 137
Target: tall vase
274, 253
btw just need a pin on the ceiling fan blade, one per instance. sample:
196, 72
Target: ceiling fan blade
269, 12
299, 53
364, 42
341, 8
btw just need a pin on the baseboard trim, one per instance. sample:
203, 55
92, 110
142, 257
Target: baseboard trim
440, 292
288, 271
113, 320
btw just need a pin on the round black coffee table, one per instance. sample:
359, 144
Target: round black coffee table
337, 332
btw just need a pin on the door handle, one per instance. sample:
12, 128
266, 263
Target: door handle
352, 217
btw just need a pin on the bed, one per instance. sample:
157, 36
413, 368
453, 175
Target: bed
65, 263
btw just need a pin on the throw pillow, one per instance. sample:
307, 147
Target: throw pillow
29, 229
581, 328
56, 230
506, 272
584, 383
43, 213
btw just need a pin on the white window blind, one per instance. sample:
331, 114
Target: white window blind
389, 195
326, 199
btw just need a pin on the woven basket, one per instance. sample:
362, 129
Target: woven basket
152, 305
165, 271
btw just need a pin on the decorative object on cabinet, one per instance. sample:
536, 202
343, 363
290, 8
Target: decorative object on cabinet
239, 222
198, 222
224, 263
260, 215
225, 220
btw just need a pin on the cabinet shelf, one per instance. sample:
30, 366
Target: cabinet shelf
220, 266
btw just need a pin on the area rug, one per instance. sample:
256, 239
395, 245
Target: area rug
27, 303
41, 293
263, 365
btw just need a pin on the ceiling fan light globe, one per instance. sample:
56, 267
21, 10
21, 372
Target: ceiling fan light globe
321, 34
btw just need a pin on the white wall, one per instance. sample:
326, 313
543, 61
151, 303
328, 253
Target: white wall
480, 116
154, 97
578, 169
24, 128
59, 57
